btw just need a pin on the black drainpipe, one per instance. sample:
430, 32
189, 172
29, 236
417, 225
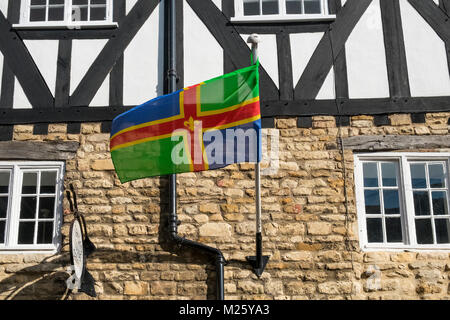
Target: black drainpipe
170, 16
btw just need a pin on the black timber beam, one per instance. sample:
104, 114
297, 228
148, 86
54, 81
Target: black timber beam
350, 107
434, 16
62, 88
21, 63
7, 92
116, 75
395, 49
330, 46
277, 28
111, 52
340, 63
445, 6
286, 82
269, 109
83, 34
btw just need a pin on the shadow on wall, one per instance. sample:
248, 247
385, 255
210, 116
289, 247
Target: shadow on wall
47, 279
43, 281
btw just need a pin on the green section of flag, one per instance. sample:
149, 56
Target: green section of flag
230, 89
149, 159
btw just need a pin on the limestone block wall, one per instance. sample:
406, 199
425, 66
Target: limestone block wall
309, 225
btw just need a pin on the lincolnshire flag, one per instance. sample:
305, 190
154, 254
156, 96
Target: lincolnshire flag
206, 126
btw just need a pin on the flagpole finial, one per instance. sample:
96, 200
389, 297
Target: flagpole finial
254, 39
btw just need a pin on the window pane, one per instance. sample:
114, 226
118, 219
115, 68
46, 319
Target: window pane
4, 182
56, 2
38, 2
56, 14
98, 14
437, 178
29, 183
48, 182
2, 231
79, 14
442, 230
37, 14
26, 233
80, 2
423, 231
370, 174
45, 232
372, 201
374, 230
394, 230
389, 174
391, 202
251, 7
28, 208
270, 6
421, 203
3, 207
293, 6
418, 179
98, 2
312, 6
439, 199
46, 208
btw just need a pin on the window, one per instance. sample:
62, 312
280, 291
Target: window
30, 206
276, 10
403, 200
72, 14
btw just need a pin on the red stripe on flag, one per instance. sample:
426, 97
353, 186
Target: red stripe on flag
211, 121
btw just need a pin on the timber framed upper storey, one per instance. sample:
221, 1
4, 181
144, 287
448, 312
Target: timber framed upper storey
375, 57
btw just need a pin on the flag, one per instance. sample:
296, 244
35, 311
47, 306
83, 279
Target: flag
206, 126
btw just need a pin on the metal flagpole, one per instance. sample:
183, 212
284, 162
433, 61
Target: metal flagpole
259, 261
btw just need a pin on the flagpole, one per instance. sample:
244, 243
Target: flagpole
259, 261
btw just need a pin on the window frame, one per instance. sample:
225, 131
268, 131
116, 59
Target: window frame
405, 194
239, 16
17, 169
25, 22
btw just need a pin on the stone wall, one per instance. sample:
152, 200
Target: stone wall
310, 230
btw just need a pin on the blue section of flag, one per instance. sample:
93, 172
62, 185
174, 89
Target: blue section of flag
159, 108
224, 147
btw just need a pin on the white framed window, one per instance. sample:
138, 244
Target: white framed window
403, 200
72, 14
30, 206
281, 10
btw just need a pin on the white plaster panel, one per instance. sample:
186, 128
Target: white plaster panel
425, 55
4, 7
303, 46
1, 70
366, 56
144, 61
101, 98
20, 99
268, 54
84, 53
45, 56
203, 56
129, 5
328, 88
218, 3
